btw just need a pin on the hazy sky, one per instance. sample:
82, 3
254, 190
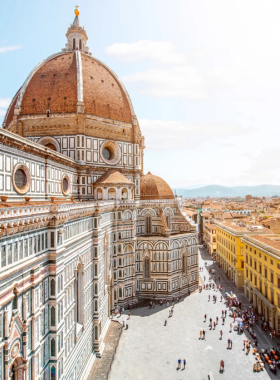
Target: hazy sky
203, 76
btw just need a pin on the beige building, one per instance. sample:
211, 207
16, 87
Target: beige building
210, 238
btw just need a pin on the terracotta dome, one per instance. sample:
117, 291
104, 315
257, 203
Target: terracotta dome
69, 79
154, 187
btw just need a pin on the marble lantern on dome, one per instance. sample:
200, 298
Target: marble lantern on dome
82, 228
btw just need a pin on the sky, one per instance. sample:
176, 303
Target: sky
203, 76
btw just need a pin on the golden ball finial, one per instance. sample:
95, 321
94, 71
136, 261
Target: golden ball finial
77, 12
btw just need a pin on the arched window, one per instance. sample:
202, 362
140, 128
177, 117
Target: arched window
80, 44
74, 43
146, 268
53, 374
99, 194
52, 316
148, 224
124, 194
52, 287
184, 266
79, 303
111, 193
167, 218
53, 347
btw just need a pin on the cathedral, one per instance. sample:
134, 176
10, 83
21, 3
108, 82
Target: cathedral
83, 230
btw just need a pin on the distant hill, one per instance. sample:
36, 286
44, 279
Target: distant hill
235, 191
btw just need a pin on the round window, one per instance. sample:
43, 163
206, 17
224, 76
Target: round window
21, 179
107, 154
65, 185
111, 152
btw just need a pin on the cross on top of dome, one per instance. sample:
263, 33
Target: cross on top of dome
76, 35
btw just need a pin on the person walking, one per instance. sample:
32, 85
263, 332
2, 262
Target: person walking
221, 334
200, 334
165, 322
205, 316
223, 320
244, 344
230, 327
225, 313
209, 298
222, 313
184, 362
222, 366
179, 363
217, 320
203, 334
128, 315
221, 298
228, 343
214, 325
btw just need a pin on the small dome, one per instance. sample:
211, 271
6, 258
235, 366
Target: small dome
154, 187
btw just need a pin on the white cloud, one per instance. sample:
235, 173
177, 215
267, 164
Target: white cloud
161, 52
227, 77
2, 112
4, 49
5, 102
178, 81
162, 134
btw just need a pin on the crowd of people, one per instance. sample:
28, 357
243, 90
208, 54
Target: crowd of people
241, 318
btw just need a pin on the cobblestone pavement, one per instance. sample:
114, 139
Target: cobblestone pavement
102, 366
148, 350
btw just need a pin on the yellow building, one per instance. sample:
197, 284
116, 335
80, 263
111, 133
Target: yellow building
230, 248
262, 276
210, 237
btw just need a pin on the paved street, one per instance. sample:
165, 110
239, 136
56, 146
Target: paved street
150, 350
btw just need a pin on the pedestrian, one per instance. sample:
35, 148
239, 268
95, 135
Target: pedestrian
222, 313
200, 334
179, 363
217, 320
230, 330
223, 320
225, 313
214, 325
184, 362
221, 298
209, 298
222, 366
128, 315
205, 316
165, 322
228, 343
153, 305
244, 343
203, 334
221, 334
